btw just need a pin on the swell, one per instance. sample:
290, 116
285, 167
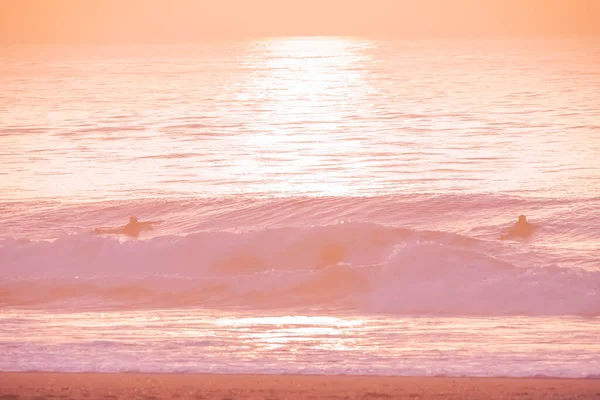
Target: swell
350, 266
455, 213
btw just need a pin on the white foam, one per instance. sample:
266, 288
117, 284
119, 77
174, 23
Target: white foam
364, 267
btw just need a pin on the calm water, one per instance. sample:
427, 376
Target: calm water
328, 205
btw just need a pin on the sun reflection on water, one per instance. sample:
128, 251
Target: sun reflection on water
301, 126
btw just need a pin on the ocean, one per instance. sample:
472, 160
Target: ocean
326, 206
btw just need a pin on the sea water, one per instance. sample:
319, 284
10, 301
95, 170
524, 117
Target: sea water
327, 205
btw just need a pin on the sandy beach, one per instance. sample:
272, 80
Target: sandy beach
193, 386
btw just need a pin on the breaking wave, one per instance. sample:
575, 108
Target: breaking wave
348, 266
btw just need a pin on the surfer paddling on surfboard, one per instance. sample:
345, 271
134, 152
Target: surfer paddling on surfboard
133, 228
522, 229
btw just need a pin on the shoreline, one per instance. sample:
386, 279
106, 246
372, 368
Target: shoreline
133, 385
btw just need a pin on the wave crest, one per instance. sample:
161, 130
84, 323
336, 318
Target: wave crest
351, 266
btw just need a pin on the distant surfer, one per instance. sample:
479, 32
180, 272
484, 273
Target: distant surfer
522, 229
133, 228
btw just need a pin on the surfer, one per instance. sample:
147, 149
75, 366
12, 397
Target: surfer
521, 229
133, 228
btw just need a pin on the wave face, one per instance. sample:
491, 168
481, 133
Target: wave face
352, 266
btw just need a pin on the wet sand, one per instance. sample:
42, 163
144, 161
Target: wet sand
202, 386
